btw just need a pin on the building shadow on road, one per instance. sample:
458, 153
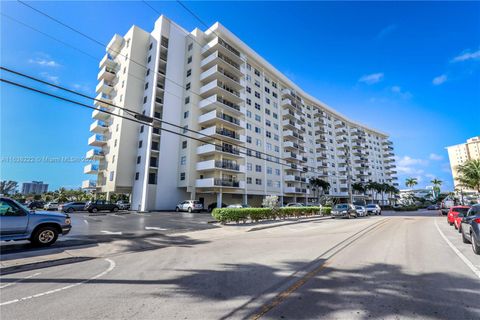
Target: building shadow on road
375, 291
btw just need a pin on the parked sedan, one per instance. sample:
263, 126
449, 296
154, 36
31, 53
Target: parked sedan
238, 206
190, 206
344, 210
295, 204
373, 209
36, 204
212, 206
471, 228
72, 206
453, 213
51, 206
361, 212
123, 205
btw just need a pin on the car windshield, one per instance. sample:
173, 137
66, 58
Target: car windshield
460, 210
197, 202
370, 206
21, 205
359, 207
341, 206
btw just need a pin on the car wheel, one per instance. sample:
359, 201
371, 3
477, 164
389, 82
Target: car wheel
70, 210
45, 236
189, 210
464, 239
115, 209
176, 209
475, 248
459, 229
94, 210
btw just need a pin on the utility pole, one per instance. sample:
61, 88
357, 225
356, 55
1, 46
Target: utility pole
349, 175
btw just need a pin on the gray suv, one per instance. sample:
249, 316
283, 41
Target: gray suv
471, 228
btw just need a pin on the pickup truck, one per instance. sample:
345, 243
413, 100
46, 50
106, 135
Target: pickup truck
101, 205
41, 228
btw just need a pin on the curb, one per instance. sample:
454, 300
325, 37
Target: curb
283, 223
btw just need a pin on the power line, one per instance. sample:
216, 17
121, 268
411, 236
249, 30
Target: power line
127, 118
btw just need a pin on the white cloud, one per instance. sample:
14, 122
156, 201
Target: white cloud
430, 176
82, 87
467, 55
371, 78
49, 77
387, 30
435, 157
440, 79
44, 62
398, 90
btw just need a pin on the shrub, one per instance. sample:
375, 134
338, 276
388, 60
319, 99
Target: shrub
224, 215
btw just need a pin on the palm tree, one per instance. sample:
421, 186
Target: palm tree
436, 187
319, 186
374, 187
8, 186
411, 182
358, 187
383, 188
469, 174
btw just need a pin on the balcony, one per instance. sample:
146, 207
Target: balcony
89, 184
291, 156
290, 124
97, 140
115, 45
222, 134
222, 60
217, 72
222, 89
100, 114
226, 49
294, 190
295, 178
387, 143
99, 126
287, 113
341, 132
215, 116
339, 124
91, 169
209, 149
104, 87
104, 101
214, 101
290, 145
220, 165
107, 74
95, 154
107, 61
218, 182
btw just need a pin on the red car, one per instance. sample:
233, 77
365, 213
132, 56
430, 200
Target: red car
453, 213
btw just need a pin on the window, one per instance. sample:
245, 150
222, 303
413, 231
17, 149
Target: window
183, 160
258, 182
185, 129
258, 154
249, 90
274, 84
249, 126
257, 94
139, 159
269, 146
269, 183
259, 142
257, 106
268, 123
258, 130
249, 101
277, 172
150, 46
187, 87
258, 118
274, 94
152, 178
268, 134
249, 139
182, 176
249, 180
267, 90
249, 78
190, 46
149, 59
249, 67
185, 115
145, 100
275, 116
189, 59
184, 144
269, 170
141, 128
277, 149
257, 83
258, 168
277, 184
189, 72
257, 73
137, 175
146, 86
112, 175
249, 113
275, 137
267, 100
249, 166
187, 100
115, 143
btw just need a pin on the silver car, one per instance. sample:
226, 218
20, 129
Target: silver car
361, 212
344, 210
190, 206
373, 209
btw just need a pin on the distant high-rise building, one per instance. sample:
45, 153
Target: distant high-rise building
260, 134
460, 153
34, 187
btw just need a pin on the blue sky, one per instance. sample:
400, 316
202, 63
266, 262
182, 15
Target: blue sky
409, 69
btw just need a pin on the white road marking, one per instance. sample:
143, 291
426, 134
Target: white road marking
111, 232
118, 216
86, 222
459, 254
142, 214
155, 228
12, 283
110, 268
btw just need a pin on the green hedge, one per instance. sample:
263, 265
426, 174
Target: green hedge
225, 215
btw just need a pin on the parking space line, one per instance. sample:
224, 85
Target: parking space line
12, 283
155, 228
458, 253
111, 232
110, 268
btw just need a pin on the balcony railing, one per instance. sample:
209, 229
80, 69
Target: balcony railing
227, 165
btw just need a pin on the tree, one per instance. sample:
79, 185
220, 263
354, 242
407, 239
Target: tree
411, 182
383, 188
8, 187
469, 174
374, 187
436, 187
358, 187
319, 186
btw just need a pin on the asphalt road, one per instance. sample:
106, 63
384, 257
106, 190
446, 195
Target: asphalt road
403, 266
106, 227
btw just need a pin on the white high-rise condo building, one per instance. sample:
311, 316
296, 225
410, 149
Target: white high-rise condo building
260, 133
461, 153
